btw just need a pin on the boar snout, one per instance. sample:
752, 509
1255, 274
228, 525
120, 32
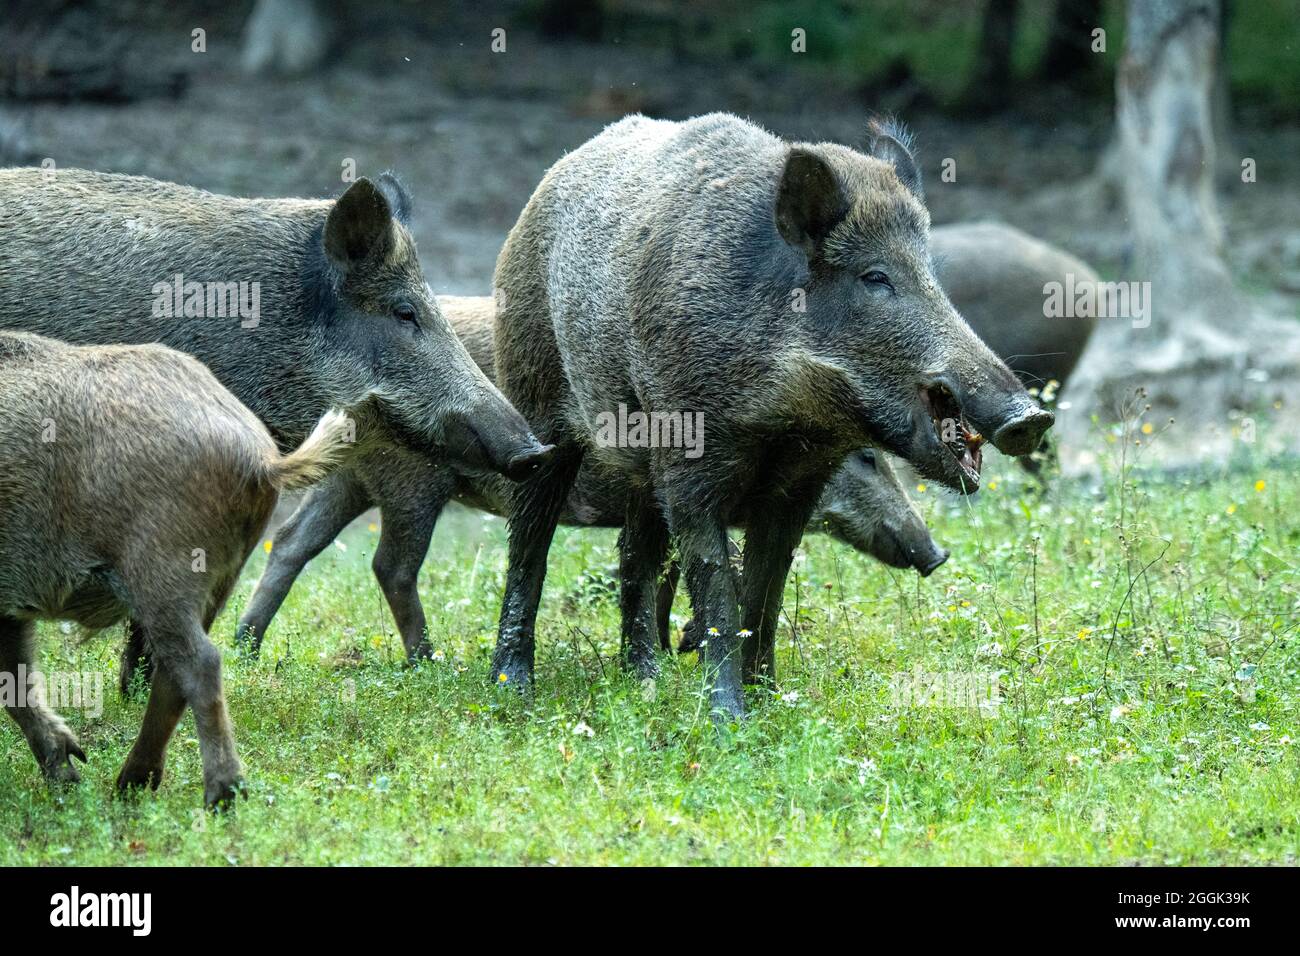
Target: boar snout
1021, 435
926, 562
492, 436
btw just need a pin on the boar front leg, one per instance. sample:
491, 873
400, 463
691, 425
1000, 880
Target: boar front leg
52, 743
325, 511
769, 551
534, 512
643, 545
408, 514
703, 546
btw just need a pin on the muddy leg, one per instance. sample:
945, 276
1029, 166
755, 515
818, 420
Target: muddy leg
534, 513
702, 543
194, 663
643, 545
769, 549
324, 513
51, 741
408, 519
144, 765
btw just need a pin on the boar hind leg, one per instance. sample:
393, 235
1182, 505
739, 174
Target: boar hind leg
408, 515
664, 604
193, 662
534, 513
144, 765
52, 743
643, 545
702, 543
326, 510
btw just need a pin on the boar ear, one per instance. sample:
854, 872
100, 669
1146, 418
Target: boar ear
809, 201
398, 198
890, 141
359, 226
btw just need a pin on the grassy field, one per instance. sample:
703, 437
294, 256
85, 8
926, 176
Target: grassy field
1144, 633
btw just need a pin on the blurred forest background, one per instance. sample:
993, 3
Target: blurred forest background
1013, 92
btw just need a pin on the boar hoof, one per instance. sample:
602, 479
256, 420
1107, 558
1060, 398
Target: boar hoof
220, 794
728, 705
138, 776
644, 666
57, 765
512, 673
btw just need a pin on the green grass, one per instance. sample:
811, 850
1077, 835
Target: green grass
1123, 736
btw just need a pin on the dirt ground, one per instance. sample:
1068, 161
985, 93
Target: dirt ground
471, 132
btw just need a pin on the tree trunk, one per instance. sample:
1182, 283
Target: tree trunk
1206, 357
990, 80
1068, 57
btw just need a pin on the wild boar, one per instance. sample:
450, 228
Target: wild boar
133, 483
782, 295
864, 506
296, 306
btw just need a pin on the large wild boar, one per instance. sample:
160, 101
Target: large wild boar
133, 483
295, 305
780, 293
864, 506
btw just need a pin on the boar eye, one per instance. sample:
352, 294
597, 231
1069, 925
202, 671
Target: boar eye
405, 312
867, 457
876, 277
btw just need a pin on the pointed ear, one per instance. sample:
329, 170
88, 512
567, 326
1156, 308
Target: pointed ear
398, 198
360, 226
809, 201
889, 141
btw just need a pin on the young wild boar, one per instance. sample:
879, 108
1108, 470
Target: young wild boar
132, 483
295, 305
863, 505
781, 294
997, 277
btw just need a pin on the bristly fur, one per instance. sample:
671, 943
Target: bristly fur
133, 484
886, 124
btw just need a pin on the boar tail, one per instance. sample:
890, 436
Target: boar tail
315, 458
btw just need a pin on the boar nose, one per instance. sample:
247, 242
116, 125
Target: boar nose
1021, 435
926, 565
493, 436
526, 462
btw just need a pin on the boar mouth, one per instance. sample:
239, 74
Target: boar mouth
954, 434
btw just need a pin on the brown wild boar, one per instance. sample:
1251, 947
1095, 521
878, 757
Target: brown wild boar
133, 484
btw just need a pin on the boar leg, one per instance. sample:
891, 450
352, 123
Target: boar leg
408, 516
643, 545
325, 511
194, 663
664, 604
52, 743
703, 547
534, 513
144, 765
135, 659
769, 550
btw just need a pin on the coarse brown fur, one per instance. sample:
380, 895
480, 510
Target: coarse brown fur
132, 484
